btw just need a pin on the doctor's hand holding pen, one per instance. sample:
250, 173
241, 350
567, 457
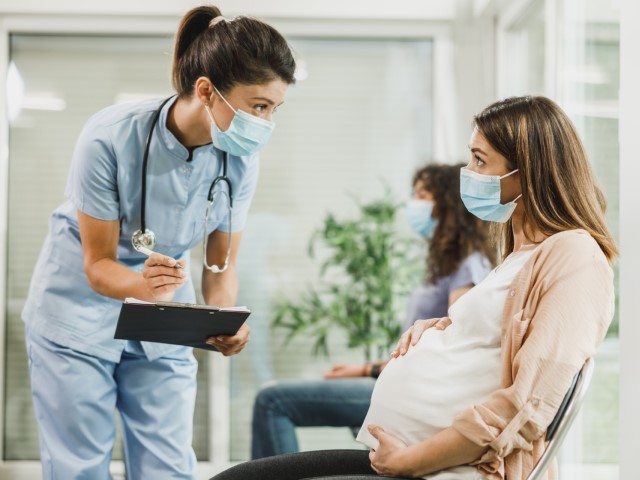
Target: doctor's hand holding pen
164, 275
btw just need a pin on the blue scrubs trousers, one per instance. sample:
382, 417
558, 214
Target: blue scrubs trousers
75, 396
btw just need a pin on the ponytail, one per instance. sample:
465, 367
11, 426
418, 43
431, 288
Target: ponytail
228, 52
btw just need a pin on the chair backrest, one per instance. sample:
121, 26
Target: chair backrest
564, 418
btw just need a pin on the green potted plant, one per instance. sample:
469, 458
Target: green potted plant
365, 276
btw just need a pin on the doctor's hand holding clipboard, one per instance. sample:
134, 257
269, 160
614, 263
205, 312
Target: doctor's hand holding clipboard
149, 181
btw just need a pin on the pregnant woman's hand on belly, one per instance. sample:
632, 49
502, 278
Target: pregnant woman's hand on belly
413, 334
387, 459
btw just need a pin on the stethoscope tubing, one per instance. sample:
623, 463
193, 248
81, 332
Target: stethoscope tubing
145, 161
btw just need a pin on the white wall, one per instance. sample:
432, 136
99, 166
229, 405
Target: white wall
334, 9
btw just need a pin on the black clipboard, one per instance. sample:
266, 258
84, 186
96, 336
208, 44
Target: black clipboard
177, 323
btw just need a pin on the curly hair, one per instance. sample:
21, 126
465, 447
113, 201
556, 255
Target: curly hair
458, 233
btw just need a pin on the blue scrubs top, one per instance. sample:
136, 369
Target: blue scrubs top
105, 183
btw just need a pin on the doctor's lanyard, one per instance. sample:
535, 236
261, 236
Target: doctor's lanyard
144, 239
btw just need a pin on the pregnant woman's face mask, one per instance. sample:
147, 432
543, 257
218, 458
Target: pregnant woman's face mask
481, 195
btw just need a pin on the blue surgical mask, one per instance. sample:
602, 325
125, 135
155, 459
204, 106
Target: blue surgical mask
481, 195
246, 134
419, 217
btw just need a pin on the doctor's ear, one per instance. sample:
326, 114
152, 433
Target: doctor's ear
204, 90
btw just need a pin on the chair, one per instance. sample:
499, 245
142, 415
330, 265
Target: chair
564, 418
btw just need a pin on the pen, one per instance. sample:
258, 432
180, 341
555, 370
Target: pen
148, 253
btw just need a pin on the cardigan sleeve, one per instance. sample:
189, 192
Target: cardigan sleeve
569, 306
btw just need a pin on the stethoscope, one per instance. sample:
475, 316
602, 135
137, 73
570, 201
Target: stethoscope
144, 240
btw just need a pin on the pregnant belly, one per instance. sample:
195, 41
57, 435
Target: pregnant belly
419, 394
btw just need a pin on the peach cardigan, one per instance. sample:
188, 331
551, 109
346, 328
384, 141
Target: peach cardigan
557, 312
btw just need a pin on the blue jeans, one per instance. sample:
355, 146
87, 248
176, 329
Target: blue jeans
279, 408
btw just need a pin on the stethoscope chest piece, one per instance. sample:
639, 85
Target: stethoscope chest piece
144, 240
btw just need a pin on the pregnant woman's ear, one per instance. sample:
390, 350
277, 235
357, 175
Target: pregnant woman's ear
413, 334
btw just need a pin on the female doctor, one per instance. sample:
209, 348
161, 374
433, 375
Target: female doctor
148, 182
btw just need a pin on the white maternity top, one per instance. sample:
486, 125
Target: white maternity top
419, 394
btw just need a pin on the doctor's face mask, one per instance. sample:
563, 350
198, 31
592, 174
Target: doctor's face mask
246, 134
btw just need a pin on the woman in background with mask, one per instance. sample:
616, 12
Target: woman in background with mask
459, 257
473, 399
139, 171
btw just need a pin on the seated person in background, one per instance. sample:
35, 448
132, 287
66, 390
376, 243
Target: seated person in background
459, 257
474, 400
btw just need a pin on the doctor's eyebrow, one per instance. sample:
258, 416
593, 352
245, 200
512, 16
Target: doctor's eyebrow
266, 100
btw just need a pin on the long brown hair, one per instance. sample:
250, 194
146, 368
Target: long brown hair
559, 191
244, 50
458, 233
